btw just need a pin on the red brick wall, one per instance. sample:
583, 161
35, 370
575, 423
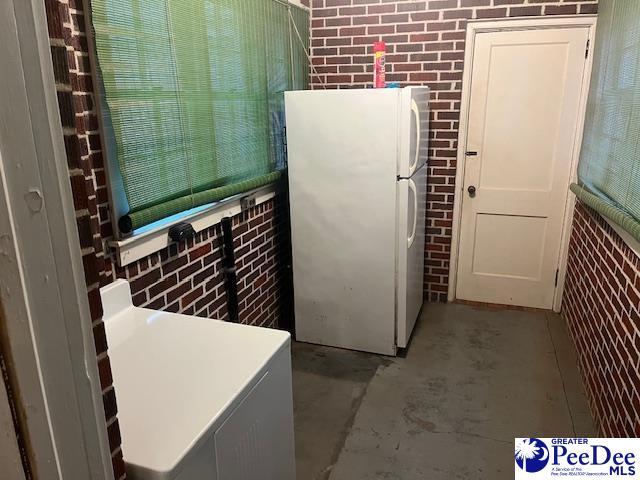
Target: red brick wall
601, 304
182, 278
425, 46
187, 277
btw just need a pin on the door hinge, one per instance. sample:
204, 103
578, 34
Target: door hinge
586, 51
557, 273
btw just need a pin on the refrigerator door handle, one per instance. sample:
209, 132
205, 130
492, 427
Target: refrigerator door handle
416, 114
412, 237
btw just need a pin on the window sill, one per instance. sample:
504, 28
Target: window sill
155, 237
631, 242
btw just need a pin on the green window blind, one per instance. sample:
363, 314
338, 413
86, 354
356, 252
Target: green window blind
194, 96
609, 169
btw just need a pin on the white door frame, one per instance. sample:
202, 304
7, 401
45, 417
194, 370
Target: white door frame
45, 328
533, 23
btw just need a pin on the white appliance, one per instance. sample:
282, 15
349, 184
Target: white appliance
358, 180
199, 398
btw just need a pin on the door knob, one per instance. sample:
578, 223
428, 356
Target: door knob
472, 191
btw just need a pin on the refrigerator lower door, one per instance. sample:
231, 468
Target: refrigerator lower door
412, 204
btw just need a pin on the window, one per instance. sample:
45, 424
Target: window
193, 97
609, 169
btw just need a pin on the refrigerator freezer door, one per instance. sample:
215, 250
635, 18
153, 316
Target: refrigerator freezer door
412, 204
342, 184
414, 130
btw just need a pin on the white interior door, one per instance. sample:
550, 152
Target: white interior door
523, 112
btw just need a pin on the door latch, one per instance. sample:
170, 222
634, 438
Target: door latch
471, 153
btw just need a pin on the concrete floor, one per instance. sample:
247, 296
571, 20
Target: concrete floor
472, 380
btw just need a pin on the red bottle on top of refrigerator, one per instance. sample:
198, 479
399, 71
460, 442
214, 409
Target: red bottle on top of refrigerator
379, 49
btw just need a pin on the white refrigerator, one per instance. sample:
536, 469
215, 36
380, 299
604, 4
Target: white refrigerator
357, 186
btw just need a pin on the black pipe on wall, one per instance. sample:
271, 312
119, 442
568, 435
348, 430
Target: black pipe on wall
229, 269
